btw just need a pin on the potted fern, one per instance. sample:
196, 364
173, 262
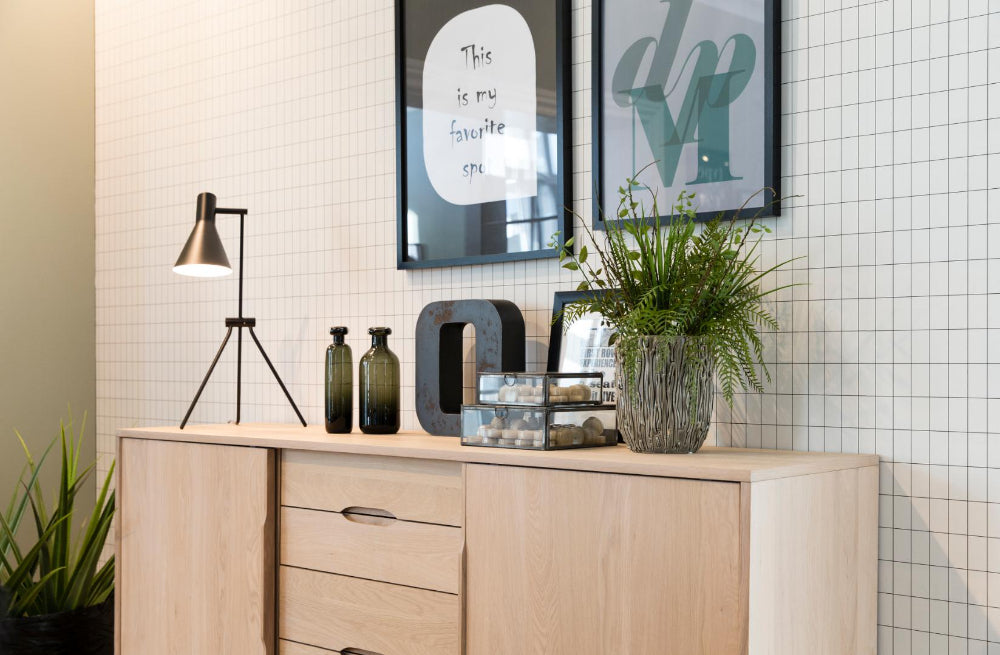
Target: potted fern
685, 302
55, 595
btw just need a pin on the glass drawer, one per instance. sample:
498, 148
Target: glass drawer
540, 389
540, 428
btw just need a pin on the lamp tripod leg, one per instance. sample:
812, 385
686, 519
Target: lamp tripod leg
276, 376
211, 368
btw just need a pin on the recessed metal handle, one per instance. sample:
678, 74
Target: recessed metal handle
368, 515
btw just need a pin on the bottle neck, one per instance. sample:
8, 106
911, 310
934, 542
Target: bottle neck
380, 341
338, 341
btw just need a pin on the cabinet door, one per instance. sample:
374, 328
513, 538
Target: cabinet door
571, 563
196, 549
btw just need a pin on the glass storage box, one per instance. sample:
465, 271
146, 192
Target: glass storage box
540, 389
542, 428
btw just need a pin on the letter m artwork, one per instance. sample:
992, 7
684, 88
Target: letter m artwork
703, 107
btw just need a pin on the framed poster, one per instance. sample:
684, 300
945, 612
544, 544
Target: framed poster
688, 91
482, 115
584, 347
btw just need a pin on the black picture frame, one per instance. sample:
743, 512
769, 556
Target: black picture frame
418, 21
769, 121
559, 302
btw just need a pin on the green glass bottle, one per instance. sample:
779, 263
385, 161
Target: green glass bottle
339, 384
378, 386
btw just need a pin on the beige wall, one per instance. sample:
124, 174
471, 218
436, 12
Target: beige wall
47, 301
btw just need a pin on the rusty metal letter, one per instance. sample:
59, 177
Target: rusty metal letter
499, 348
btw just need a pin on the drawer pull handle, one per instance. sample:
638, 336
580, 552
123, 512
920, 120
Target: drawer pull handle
368, 516
358, 651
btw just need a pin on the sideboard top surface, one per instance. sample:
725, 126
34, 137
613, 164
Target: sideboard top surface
710, 463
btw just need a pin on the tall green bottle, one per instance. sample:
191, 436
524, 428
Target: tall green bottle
378, 386
339, 383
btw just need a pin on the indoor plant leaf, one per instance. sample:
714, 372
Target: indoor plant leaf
56, 573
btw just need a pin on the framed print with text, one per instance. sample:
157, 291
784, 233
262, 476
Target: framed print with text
584, 347
482, 116
688, 91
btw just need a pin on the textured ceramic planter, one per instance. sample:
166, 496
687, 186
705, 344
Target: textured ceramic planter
666, 391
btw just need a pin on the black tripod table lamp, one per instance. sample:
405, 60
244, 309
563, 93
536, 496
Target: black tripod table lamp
204, 256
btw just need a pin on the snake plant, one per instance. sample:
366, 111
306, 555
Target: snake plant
44, 568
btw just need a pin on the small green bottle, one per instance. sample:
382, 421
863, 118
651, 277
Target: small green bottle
339, 383
378, 386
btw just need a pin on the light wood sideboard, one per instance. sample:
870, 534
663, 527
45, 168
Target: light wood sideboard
282, 540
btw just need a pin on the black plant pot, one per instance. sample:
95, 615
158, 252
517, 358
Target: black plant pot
87, 631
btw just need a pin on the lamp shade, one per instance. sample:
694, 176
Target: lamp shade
203, 254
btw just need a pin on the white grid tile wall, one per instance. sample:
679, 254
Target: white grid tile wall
891, 343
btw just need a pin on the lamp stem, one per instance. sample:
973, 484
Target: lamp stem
239, 331
242, 216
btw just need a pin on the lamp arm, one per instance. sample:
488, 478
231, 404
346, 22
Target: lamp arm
243, 214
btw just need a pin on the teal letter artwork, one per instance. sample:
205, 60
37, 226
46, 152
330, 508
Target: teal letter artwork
703, 117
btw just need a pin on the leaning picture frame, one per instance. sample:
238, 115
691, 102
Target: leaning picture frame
583, 347
687, 98
483, 95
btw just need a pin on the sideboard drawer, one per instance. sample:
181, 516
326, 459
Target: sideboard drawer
423, 490
402, 552
341, 613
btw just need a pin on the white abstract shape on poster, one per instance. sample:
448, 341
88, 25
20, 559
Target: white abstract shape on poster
479, 108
